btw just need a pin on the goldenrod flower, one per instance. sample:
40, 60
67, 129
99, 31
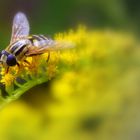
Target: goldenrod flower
96, 90
37, 69
92, 49
8, 79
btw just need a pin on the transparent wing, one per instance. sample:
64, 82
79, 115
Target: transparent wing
20, 27
55, 46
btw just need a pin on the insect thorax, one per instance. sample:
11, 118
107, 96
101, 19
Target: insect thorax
18, 48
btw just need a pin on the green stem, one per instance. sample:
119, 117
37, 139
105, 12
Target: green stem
15, 94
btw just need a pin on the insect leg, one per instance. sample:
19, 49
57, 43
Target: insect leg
18, 65
48, 56
26, 62
7, 70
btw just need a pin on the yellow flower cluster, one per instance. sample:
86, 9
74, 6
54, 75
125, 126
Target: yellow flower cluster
38, 65
95, 96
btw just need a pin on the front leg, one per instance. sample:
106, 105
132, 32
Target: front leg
27, 62
7, 69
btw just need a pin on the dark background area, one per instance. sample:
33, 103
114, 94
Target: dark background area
52, 16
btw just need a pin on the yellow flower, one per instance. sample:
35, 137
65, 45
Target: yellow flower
97, 81
41, 67
7, 79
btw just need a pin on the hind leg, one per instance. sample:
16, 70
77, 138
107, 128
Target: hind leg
48, 57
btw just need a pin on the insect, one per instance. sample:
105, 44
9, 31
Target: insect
23, 45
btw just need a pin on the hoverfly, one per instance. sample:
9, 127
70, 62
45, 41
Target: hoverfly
23, 45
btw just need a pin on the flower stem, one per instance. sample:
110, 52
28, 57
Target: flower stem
15, 94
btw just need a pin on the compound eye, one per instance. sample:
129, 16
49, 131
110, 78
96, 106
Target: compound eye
11, 60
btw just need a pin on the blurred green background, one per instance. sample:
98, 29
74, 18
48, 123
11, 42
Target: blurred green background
98, 99
51, 16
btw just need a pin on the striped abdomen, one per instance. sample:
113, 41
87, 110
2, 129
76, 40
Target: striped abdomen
40, 40
20, 47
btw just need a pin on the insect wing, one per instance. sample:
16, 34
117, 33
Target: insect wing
55, 46
20, 27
